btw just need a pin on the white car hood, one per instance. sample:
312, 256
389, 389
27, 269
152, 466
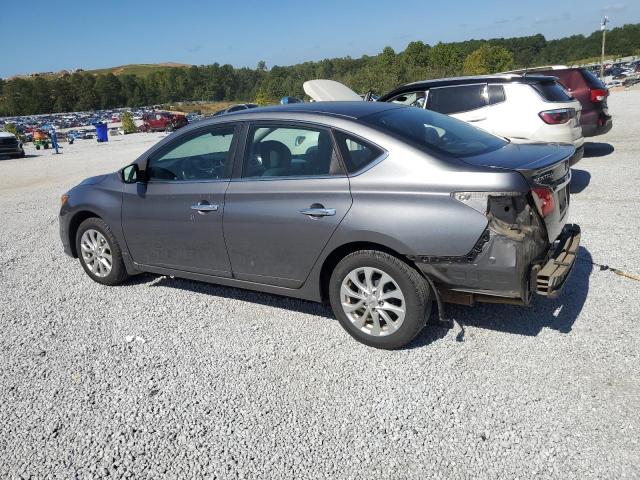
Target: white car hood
329, 91
7, 135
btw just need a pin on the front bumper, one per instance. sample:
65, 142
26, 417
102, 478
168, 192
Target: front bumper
552, 276
63, 222
11, 150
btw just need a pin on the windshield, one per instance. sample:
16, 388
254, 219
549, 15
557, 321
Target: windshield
433, 131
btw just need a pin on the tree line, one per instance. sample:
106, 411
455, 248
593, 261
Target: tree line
380, 73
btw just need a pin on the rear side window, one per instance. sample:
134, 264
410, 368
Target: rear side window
552, 91
432, 131
592, 80
356, 153
457, 99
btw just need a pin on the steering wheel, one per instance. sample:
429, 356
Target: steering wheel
199, 168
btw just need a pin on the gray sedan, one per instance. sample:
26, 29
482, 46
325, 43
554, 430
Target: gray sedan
376, 208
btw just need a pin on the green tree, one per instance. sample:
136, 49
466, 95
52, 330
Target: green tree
128, 125
262, 98
446, 60
488, 59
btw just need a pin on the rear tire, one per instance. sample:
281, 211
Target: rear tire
379, 299
99, 252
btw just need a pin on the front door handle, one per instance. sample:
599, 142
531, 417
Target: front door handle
318, 212
204, 207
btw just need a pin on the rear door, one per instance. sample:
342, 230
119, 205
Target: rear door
285, 204
174, 219
465, 102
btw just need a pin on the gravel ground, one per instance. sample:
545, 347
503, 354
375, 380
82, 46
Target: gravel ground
171, 378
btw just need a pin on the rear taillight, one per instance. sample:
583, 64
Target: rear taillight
556, 117
544, 200
599, 94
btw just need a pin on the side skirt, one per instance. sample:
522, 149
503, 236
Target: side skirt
304, 293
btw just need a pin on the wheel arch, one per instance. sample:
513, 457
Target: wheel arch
342, 251
74, 224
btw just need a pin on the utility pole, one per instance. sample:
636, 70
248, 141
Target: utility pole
603, 27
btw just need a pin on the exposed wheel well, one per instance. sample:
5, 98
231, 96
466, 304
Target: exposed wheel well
77, 219
339, 253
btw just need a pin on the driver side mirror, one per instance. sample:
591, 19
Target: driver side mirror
131, 174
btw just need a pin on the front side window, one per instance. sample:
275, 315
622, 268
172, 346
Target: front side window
456, 99
356, 153
432, 131
281, 151
496, 94
203, 156
413, 99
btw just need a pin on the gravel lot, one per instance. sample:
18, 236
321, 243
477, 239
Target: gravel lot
171, 378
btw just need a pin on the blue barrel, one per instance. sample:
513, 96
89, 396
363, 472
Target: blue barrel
101, 132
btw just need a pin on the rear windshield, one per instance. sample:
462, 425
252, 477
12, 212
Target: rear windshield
433, 131
592, 80
552, 91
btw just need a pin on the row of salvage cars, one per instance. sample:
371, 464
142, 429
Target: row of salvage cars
380, 209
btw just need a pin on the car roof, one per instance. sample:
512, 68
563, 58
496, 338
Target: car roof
470, 80
544, 68
352, 110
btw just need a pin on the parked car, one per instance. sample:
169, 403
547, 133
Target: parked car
162, 121
589, 90
374, 207
523, 108
10, 145
235, 108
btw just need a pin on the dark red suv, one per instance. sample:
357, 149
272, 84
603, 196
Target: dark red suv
161, 121
588, 90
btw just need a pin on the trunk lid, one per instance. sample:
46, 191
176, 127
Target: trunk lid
542, 165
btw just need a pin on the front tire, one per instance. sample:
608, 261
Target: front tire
99, 252
379, 300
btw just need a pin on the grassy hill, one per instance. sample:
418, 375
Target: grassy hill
139, 69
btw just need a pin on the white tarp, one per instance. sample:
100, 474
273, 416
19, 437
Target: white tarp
329, 90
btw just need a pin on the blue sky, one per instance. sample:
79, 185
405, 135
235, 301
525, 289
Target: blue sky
45, 36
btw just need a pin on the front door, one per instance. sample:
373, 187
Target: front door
282, 211
174, 220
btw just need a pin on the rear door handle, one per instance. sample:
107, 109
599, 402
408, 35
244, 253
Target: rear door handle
204, 207
318, 212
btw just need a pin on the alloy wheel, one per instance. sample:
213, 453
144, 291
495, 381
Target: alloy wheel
96, 253
373, 301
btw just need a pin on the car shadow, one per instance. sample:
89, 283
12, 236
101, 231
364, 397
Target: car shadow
597, 149
277, 301
9, 157
557, 314
580, 180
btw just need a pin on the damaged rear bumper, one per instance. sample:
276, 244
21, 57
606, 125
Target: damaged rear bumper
508, 264
552, 276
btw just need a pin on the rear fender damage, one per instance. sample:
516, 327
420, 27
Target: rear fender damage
502, 266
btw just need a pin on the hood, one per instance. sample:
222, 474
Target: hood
93, 180
7, 135
329, 91
524, 156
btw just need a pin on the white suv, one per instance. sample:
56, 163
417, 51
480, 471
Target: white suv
523, 108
